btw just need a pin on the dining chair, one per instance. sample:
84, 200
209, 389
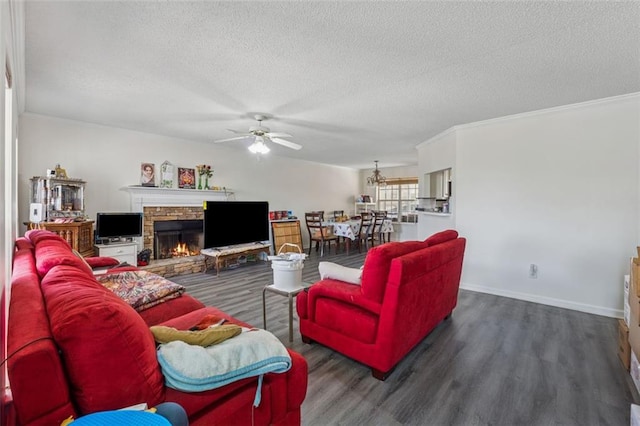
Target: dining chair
336, 216
366, 221
376, 227
318, 233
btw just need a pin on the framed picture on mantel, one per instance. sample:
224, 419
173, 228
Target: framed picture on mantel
186, 178
148, 174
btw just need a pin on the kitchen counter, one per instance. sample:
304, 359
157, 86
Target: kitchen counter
430, 213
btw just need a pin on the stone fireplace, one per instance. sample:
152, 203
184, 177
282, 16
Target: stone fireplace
171, 223
165, 209
177, 238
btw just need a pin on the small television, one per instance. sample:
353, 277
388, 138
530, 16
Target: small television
118, 226
228, 223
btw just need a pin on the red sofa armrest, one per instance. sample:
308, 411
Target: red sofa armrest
297, 378
342, 291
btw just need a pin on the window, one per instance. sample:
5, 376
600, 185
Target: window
398, 198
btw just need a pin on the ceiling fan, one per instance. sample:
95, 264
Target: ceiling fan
260, 134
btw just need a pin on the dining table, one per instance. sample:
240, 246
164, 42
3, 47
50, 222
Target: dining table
350, 229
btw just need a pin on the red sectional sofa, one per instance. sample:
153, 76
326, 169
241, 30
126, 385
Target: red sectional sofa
76, 348
406, 289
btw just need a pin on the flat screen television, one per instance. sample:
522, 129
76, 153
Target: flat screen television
118, 226
228, 223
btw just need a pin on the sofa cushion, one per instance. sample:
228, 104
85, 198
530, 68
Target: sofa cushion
52, 250
441, 237
108, 351
378, 262
38, 235
170, 309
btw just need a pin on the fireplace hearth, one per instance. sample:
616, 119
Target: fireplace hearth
177, 238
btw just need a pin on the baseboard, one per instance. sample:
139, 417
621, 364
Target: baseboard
559, 303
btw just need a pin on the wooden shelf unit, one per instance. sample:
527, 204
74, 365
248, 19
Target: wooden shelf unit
79, 235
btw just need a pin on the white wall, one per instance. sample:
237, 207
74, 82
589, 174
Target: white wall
108, 159
438, 153
12, 58
556, 188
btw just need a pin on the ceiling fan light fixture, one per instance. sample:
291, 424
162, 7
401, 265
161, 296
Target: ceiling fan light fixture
258, 146
376, 178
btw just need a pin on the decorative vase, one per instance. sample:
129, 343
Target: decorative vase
199, 181
206, 182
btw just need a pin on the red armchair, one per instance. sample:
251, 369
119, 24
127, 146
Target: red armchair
407, 288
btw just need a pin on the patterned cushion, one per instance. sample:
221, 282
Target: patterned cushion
141, 289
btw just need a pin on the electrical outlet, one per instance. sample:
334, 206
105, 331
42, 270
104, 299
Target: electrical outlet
533, 271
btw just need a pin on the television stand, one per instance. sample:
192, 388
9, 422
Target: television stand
122, 251
232, 255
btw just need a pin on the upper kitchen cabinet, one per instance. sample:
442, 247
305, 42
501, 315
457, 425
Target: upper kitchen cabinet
436, 185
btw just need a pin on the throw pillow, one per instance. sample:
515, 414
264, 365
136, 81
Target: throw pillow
330, 270
208, 336
101, 261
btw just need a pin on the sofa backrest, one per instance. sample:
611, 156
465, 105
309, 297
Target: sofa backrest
377, 264
422, 289
97, 351
442, 237
39, 387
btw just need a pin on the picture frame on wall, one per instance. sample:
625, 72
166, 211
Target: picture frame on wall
186, 178
148, 174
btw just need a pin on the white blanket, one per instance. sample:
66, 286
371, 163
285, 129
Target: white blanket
193, 368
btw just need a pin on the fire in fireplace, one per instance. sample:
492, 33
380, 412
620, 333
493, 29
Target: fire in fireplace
177, 238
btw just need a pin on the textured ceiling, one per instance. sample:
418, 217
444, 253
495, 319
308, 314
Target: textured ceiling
353, 82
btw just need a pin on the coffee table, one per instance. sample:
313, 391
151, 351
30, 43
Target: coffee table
283, 292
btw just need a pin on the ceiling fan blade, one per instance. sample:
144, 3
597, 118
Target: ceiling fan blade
280, 135
286, 143
239, 132
232, 139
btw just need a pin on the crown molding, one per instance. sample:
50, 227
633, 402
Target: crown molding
552, 110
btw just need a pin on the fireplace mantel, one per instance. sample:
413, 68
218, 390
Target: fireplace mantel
148, 196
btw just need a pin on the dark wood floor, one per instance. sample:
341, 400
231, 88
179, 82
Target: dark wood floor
497, 361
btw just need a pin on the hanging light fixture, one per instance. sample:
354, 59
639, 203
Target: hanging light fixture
376, 178
258, 146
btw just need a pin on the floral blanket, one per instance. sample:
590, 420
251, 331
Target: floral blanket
141, 289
